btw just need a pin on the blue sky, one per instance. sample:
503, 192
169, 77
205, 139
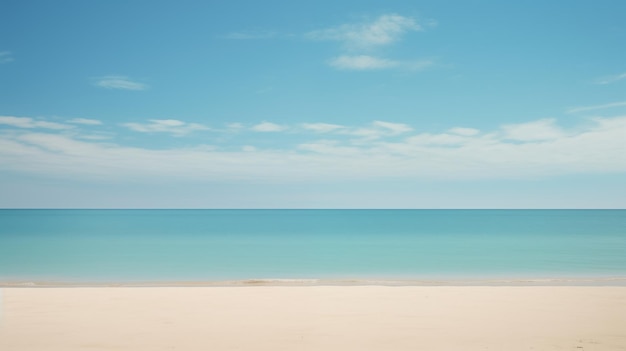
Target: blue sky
329, 104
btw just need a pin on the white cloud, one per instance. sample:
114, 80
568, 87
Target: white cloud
97, 136
361, 62
6, 57
394, 128
268, 127
596, 107
386, 29
27, 122
367, 133
329, 147
464, 131
359, 39
119, 82
376, 130
172, 126
322, 127
85, 121
436, 139
534, 149
367, 62
544, 129
611, 79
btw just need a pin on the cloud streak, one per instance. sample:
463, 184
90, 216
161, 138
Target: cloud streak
596, 107
85, 121
119, 83
170, 126
30, 123
322, 127
611, 79
361, 63
367, 62
265, 127
545, 129
464, 131
532, 149
359, 40
376, 130
6, 56
384, 30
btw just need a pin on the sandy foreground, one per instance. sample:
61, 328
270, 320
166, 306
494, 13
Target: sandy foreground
314, 318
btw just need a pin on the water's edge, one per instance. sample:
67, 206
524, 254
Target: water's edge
609, 281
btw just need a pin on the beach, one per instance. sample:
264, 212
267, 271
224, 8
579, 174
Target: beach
395, 280
314, 317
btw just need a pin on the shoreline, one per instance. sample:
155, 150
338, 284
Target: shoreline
617, 281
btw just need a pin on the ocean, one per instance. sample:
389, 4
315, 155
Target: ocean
168, 246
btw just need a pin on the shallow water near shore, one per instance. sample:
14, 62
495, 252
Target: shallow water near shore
256, 246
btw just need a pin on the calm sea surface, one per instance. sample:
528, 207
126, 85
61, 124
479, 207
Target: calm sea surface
205, 245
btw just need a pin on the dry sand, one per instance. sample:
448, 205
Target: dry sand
314, 318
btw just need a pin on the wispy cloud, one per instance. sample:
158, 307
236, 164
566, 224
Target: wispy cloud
597, 148
376, 130
6, 56
85, 121
322, 127
545, 129
27, 122
394, 128
611, 79
361, 62
532, 149
329, 147
119, 82
360, 39
268, 127
435, 140
367, 62
464, 131
96, 136
171, 126
596, 107
384, 30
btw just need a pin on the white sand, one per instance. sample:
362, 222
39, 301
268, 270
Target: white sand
314, 318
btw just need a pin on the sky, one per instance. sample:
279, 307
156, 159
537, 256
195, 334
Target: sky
324, 104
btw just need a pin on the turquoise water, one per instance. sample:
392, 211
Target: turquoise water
204, 245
